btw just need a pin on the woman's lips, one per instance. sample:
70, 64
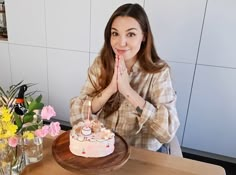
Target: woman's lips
121, 52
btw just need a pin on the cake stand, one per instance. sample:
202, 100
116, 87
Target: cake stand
82, 165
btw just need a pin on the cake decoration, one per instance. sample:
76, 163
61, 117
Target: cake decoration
89, 138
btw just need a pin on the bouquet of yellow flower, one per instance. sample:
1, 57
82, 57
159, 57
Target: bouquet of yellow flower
22, 116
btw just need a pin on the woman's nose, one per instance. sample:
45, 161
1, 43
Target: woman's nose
122, 41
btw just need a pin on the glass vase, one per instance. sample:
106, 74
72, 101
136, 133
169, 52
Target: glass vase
19, 161
6, 157
12, 159
33, 150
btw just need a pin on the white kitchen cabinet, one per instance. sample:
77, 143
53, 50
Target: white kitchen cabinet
211, 119
26, 22
5, 70
67, 72
182, 76
218, 39
68, 24
176, 27
29, 63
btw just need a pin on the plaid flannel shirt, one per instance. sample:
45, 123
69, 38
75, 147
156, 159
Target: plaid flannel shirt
158, 121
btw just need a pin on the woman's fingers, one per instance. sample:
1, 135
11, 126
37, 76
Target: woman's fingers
121, 65
123, 78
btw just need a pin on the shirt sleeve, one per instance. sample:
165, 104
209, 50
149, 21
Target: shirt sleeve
79, 105
160, 113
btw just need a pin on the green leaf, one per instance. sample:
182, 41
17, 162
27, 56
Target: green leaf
30, 128
39, 98
35, 105
28, 99
17, 121
28, 117
40, 122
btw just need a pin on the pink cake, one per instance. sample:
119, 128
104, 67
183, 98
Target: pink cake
91, 139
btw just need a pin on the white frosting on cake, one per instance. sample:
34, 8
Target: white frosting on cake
91, 139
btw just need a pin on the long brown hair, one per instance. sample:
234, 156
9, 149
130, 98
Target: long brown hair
149, 60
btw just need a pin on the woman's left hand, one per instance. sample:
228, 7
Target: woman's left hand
123, 77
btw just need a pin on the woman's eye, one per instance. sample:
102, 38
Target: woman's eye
131, 34
114, 34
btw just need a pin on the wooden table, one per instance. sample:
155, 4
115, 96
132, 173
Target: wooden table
141, 162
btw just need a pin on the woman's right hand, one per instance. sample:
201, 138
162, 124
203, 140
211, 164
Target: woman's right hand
113, 86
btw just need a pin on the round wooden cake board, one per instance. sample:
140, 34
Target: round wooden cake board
103, 165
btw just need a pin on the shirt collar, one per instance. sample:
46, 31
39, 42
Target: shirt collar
136, 67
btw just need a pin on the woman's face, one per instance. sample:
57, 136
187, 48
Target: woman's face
126, 37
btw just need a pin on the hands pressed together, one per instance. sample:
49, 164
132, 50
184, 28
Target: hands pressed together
120, 79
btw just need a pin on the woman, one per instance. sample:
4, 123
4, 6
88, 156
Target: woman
128, 85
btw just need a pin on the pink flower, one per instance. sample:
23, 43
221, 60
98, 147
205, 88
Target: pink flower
54, 128
47, 112
42, 132
13, 141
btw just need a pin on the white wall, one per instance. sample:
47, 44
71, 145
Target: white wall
52, 43
211, 118
177, 35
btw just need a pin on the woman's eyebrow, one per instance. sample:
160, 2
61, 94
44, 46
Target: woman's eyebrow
131, 29
126, 30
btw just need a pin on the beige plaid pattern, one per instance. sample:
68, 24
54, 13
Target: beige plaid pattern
158, 122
